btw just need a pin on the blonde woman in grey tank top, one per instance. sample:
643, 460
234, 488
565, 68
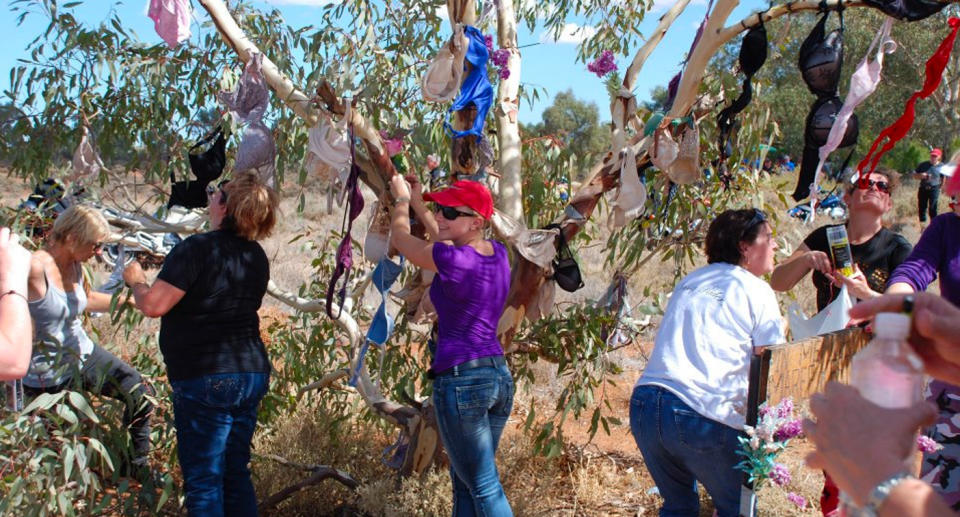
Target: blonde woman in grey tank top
64, 356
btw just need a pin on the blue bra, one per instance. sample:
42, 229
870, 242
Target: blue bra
476, 88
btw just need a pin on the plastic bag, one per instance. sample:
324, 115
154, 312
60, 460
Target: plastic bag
832, 318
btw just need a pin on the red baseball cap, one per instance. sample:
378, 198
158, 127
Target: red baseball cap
936, 151
471, 194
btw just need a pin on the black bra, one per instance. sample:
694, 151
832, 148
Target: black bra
753, 53
821, 57
820, 120
208, 165
910, 10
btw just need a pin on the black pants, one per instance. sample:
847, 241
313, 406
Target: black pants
105, 374
927, 199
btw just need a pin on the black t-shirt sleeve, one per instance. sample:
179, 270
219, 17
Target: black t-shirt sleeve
181, 267
817, 240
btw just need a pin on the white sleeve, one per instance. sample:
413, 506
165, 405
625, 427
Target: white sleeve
769, 326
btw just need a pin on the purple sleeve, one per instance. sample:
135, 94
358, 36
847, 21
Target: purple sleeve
450, 264
920, 268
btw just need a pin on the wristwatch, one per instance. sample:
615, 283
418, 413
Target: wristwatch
882, 490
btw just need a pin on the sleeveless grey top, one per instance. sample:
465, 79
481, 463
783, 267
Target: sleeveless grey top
60, 344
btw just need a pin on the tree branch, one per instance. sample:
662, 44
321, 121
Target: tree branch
234, 36
716, 35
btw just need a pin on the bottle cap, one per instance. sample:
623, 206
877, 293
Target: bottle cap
892, 325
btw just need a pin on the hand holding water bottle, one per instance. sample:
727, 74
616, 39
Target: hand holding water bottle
859, 443
934, 331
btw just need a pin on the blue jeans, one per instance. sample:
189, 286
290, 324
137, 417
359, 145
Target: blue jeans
472, 408
681, 447
215, 416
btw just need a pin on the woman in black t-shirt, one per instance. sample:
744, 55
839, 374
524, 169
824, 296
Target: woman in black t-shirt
207, 296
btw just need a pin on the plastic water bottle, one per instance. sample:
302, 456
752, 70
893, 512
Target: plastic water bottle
888, 373
840, 249
14, 395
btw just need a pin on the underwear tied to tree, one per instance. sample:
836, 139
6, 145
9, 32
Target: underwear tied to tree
909, 10
171, 20
381, 326
753, 53
863, 83
207, 166
476, 88
344, 257
893, 133
821, 61
249, 102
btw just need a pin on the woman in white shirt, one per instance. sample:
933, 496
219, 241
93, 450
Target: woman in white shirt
689, 406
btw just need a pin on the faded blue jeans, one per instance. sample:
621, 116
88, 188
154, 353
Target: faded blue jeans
681, 447
215, 416
472, 408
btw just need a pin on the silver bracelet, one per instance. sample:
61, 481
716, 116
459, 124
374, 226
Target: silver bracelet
401, 200
879, 494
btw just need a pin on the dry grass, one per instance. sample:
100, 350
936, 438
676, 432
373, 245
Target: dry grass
606, 477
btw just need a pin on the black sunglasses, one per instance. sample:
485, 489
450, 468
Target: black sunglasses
881, 185
449, 213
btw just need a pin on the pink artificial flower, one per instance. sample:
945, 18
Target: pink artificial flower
780, 475
394, 145
488, 41
785, 408
788, 430
603, 65
500, 57
765, 410
927, 444
504, 73
797, 499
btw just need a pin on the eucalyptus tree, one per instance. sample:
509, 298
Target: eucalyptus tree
370, 55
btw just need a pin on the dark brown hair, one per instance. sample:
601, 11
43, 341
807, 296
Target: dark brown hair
728, 230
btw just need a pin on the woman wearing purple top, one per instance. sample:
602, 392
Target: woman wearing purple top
938, 252
472, 387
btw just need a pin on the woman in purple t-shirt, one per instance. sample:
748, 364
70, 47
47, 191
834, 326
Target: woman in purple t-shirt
472, 387
938, 253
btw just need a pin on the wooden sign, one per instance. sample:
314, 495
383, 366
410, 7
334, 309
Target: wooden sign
801, 368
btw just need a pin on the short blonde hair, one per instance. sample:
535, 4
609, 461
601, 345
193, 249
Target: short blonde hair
82, 222
251, 207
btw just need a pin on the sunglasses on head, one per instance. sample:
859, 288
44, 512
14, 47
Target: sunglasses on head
758, 218
881, 185
211, 190
450, 213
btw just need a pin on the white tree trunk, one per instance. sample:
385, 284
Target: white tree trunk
505, 111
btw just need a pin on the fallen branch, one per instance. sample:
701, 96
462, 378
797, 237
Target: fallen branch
320, 473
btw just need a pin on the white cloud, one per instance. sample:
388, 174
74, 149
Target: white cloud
314, 3
572, 34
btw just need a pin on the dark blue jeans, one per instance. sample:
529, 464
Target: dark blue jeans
681, 447
215, 416
472, 408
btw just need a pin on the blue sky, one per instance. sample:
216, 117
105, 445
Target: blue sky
549, 64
